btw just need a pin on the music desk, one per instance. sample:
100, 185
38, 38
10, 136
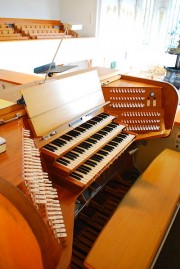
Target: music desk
134, 233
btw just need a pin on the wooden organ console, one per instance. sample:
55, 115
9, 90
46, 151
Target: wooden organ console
76, 136
88, 140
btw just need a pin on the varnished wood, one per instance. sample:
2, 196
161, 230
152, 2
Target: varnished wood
62, 101
11, 170
15, 237
166, 102
134, 233
17, 78
17, 26
4, 103
10, 93
28, 21
11, 160
169, 97
23, 233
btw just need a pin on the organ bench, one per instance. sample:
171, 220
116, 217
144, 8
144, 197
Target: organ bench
134, 234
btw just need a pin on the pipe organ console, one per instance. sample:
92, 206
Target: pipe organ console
76, 134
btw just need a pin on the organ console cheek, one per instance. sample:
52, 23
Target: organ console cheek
74, 138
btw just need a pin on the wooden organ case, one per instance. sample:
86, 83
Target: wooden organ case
81, 129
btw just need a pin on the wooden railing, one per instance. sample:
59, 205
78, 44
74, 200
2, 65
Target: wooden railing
20, 29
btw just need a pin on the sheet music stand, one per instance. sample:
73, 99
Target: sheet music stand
54, 69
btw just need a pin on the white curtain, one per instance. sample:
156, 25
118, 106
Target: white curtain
136, 33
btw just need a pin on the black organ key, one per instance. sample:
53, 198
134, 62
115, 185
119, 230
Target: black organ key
58, 142
50, 147
65, 160
97, 136
79, 150
114, 124
103, 115
117, 139
62, 161
86, 125
76, 176
97, 119
122, 135
90, 163
102, 152
85, 145
113, 143
101, 132
96, 157
99, 156
108, 148
69, 156
74, 133
92, 122
66, 137
80, 129
74, 154
80, 169
90, 140
70, 153
108, 129
86, 168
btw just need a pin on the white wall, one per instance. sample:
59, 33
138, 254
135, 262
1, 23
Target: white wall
73, 11
24, 56
31, 9
80, 12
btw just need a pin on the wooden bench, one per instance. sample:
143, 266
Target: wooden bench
50, 36
42, 30
30, 31
13, 37
133, 235
3, 26
7, 31
41, 26
25, 26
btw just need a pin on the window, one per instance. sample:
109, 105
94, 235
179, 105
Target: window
134, 34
